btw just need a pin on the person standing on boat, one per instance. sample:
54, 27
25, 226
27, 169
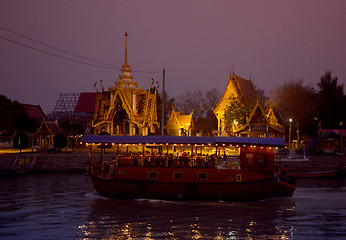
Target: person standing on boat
283, 170
185, 158
180, 158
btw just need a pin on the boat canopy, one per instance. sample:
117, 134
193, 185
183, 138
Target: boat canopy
122, 139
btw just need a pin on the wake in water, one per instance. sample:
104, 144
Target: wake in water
94, 195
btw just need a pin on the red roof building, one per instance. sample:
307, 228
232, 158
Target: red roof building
34, 111
86, 102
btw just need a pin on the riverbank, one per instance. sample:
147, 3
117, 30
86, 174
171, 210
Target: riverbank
69, 162
64, 162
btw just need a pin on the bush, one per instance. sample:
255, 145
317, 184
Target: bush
60, 140
21, 141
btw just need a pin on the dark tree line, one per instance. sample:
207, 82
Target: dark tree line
15, 123
200, 103
13, 117
311, 108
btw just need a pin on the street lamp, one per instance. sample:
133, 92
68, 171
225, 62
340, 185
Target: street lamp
289, 134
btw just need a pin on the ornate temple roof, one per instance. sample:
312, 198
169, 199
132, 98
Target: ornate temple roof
237, 87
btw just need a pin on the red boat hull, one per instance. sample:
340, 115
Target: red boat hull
120, 188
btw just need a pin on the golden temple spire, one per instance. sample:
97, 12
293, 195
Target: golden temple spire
125, 78
126, 48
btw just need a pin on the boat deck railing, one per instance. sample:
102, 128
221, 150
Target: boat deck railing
211, 161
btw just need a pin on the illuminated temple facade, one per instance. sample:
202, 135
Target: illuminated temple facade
260, 123
179, 124
126, 109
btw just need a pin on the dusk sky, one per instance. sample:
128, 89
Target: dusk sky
198, 43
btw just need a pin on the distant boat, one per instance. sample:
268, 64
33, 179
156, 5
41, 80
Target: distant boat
156, 171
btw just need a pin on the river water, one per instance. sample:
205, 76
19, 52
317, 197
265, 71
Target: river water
65, 206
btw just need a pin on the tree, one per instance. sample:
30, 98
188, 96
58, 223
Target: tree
60, 141
331, 100
261, 94
190, 101
237, 111
21, 141
197, 102
13, 116
211, 99
72, 128
297, 102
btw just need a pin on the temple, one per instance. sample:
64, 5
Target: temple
126, 109
261, 122
179, 124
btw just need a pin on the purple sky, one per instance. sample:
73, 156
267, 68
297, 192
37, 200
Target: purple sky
198, 42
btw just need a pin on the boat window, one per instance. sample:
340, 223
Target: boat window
238, 177
202, 176
121, 171
178, 175
152, 175
262, 160
250, 159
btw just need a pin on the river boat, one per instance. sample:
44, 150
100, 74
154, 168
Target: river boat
186, 168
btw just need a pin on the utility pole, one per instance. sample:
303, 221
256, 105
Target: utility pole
163, 102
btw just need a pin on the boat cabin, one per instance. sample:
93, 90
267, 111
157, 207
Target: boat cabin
173, 151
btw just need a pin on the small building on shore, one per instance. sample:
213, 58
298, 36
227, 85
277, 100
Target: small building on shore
330, 142
43, 137
179, 124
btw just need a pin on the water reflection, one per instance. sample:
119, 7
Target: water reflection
64, 206
153, 219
